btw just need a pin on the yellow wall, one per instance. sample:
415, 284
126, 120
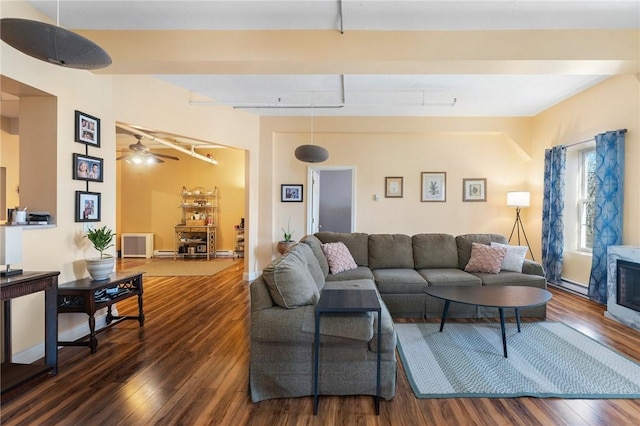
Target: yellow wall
9, 158
610, 105
60, 248
149, 197
491, 148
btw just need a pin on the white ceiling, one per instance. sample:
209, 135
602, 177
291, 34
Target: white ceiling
375, 94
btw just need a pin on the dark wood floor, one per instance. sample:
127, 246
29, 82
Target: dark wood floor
188, 365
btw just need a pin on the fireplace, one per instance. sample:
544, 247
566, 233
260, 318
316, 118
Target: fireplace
628, 284
623, 285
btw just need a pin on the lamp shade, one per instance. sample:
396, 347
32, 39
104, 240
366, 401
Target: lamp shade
53, 44
10, 245
311, 153
518, 198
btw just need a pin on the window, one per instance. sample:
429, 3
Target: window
586, 200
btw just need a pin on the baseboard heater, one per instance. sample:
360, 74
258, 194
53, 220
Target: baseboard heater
137, 245
224, 253
163, 253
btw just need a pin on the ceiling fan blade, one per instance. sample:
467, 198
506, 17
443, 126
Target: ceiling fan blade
122, 157
170, 157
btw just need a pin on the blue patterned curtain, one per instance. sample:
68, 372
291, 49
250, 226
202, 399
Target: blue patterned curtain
607, 226
553, 213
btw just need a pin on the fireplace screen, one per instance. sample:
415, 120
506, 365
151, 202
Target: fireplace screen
628, 284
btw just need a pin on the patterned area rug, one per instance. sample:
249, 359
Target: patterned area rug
546, 359
182, 268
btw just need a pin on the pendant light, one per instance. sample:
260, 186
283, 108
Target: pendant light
52, 43
311, 153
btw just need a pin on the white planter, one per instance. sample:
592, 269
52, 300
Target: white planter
100, 268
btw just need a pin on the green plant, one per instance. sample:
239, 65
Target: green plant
101, 239
288, 233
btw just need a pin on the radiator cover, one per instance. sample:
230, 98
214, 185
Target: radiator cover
137, 245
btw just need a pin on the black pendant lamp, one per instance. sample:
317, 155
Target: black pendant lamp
311, 153
53, 44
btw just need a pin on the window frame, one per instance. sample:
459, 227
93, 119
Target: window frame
583, 200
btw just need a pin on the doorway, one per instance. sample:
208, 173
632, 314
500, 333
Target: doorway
331, 206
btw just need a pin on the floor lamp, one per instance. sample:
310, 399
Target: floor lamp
519, 199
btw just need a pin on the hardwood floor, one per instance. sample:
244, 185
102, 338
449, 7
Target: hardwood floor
188, 365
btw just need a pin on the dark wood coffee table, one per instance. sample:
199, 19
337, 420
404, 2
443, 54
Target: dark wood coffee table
500, 297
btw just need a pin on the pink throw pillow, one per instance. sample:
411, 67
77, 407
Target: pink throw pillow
339, 257
485, 258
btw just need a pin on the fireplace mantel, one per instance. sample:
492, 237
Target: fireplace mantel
619, 313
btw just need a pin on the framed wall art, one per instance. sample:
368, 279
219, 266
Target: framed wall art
474, 189
88, 206
87, 129
87, 168
393, 187
291, 193
434, 186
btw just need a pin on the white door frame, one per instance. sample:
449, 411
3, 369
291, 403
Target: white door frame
310, 185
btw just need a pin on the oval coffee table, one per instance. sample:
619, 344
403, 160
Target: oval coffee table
500, 297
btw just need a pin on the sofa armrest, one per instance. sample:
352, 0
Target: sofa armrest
530, 267
280, 325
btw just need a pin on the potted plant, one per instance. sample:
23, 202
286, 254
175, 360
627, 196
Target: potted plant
287, 242
100, 268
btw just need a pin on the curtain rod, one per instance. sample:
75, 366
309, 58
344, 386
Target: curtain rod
580, 143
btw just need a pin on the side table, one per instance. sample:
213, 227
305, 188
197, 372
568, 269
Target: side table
346, 301
88, 296
14, 374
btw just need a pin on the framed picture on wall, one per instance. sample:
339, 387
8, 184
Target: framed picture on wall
393, 187
291, 193
434, 186
474, 189
87, 129
87, 168
87, 206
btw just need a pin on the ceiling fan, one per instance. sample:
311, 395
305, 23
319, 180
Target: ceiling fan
139, 153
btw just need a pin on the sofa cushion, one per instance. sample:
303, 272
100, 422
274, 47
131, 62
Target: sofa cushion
485, 258
511, 278
513, 258
353, 326
312, 264
464, 245
434, 251
390, 251
289, 280
338, 257
316, 248
361, 327
360, 273
399, 281
356, 242
449, 277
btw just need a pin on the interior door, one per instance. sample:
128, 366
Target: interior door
331, 207
314, 222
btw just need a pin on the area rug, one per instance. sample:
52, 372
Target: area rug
182, 268
547, 359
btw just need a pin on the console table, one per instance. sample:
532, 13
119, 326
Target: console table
88, 296
13, 374
346, 301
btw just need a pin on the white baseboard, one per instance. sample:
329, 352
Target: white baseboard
162, 253
250, 276
36, 352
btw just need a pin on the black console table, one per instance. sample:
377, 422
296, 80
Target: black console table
346, 301
13, 374
88, 296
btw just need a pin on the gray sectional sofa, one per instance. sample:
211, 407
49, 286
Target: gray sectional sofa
399, 267
403, 266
